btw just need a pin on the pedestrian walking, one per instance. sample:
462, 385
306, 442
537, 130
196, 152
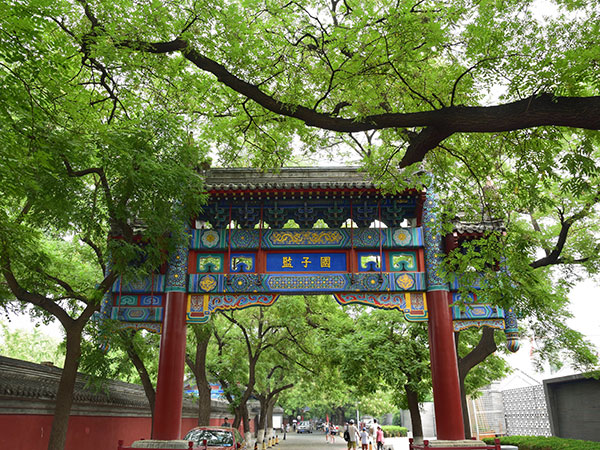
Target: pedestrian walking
364, 439
373, 432
351, 434
380, 439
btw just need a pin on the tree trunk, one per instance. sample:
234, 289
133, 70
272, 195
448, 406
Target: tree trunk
143, 373
262, 418
484, 348
66, 386
198, 368
269, 423
270, 407
415, 414
245, 420
340, 415
465, 408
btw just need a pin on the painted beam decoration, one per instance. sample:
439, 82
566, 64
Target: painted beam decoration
237, 239
374, 249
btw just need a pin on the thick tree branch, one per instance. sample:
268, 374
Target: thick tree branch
24, 295
485, 347
280, 389
97, 251
554, 256
533, 111
99, 171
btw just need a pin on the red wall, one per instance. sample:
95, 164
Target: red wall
31, 432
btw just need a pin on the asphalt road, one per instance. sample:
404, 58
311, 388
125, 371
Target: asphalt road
316, 440
305, 441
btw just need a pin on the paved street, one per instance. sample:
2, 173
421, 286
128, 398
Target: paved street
308, 441
305, 441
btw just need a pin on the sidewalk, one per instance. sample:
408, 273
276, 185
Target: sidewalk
400, 443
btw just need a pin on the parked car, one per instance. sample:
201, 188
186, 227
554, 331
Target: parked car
304, 427
217, 438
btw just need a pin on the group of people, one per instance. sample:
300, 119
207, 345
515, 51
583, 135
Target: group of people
373, 435
330, 432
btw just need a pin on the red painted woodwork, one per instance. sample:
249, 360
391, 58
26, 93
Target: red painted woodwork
171, 365
444, 368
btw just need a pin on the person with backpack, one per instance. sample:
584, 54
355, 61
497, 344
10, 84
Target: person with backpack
351, 435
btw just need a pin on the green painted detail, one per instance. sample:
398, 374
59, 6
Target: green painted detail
207, 263
237, 260
403, 261
363, 260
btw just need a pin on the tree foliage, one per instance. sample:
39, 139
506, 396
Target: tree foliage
107, 107
29, 345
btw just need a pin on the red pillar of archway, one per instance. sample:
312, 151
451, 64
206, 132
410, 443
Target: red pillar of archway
171, 365
444, 368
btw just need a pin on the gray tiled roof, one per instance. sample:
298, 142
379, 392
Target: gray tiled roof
461, 227
23, 379
287, 178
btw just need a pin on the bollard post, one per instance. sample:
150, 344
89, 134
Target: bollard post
497, 444
120, 445
410, 443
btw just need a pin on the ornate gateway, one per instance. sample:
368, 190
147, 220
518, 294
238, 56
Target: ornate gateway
374, 250
305, 231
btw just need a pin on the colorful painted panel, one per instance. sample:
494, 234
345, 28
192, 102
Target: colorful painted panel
208, 239
201, 306
403, 261
137, 314
306, 283
242, 263
205, 283
477, 311
413, 305
294, 238
178, 268
369, 262
433, 244
338, 238
460, 325
209, 262
137, 300
151, 284
307, 262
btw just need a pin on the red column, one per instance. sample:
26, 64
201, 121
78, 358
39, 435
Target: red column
444, 368
171, 365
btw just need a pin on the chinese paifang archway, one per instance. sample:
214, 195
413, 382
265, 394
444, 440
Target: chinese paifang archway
240, 255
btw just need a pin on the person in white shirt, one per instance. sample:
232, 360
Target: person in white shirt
373, 432
364, 439
353, 432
